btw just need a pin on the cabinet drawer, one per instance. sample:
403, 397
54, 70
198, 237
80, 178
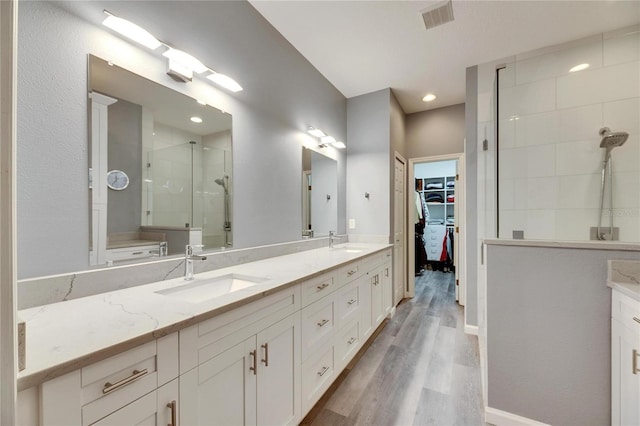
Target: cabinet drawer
317, 375
117, 381
318, 321
374, 260
317, 288
348, 302
349, 272
347, 344
626, 310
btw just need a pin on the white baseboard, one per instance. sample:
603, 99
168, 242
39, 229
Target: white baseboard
499, 418
471, 329
392, 313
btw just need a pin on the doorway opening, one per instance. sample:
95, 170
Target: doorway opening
437, 216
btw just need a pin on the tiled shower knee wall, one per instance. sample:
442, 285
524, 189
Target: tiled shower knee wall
550, 158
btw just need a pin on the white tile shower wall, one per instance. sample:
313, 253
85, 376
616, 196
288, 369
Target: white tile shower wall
550, 155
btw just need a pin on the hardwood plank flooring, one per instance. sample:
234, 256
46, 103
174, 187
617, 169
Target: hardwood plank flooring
421, 369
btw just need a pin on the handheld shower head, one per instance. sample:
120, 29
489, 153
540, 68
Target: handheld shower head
223, 183
612, 139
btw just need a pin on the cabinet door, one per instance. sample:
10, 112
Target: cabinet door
376, 297
625, 374
153, 409
366, 325
387, 289
278, 396
222, 390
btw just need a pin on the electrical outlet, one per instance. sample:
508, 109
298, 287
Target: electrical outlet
352, 224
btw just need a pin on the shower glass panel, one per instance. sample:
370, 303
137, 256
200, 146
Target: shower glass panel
550, 160
182, 190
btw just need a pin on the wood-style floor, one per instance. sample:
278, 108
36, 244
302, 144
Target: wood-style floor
422, 369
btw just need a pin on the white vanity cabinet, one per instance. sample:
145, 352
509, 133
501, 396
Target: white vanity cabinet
243, 367
625, 360
138, 385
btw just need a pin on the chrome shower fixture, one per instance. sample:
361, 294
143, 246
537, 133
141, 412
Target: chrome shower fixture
611, 140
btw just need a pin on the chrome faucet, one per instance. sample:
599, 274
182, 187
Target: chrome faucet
332, 237
189, 257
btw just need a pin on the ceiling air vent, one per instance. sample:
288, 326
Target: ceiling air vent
439, 14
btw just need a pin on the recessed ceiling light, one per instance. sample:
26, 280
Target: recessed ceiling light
196, 119
429, 97
579, 67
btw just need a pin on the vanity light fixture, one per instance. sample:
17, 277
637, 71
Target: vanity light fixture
580, 67
201, 102
186, 60
224, 81
316, 132
179, 72
327, 140
131, 31
429, 97
196, 119
339, 145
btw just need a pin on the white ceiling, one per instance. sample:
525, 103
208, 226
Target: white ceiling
365, 46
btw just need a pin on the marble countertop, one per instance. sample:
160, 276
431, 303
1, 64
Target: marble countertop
624, 276
62, 337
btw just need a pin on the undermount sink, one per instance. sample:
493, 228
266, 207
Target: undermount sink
347, 249
202, 290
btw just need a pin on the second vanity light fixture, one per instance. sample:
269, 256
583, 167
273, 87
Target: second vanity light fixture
325, 140
181, 64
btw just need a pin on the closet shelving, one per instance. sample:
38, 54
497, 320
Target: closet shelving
439, 196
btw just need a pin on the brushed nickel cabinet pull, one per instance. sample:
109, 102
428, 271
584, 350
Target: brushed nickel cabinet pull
636, 319
351, 272
323, 322
352, 301
266, 354
634, 362
322, 286
353, 339
172, 406
324, 370
135, 375
254, 367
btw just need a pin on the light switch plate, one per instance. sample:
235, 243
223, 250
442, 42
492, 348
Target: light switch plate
352, 224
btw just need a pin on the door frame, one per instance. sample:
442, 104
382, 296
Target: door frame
461, 223
405, 264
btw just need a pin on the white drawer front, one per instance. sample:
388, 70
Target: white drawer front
318, 323
347, 344
317, 288
317, 375
626, 310
349, 272
348, 302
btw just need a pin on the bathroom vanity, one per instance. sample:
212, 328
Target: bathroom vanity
256, 343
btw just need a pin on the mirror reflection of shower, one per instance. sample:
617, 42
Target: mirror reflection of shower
224, 183
609, 141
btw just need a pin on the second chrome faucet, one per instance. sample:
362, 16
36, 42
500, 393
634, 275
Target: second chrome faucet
189, 257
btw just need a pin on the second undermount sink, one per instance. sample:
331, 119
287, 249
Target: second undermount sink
202, 290
347, 249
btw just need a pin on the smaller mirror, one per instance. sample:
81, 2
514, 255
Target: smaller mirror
160, 169
319, 194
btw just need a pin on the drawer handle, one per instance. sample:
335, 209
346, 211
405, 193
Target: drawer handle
266, 354
323, 322
322, 286
323, 371
634, 362
351, 272
135, 375
352, 301
172, 406
353, 339
254, 367
636, 319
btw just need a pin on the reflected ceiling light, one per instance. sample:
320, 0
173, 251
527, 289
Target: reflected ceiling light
225, 81
580, 67
196, 119
131, 31
339, 145
184, 59
429, 97
316, 132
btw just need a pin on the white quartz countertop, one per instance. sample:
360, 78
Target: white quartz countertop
62, 337
624, 276
587, 245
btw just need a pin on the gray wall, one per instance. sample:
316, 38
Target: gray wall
436, 132
471, 195
548, 333
283, 95
368, 118
125, 153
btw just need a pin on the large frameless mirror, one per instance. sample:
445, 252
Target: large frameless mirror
319, 194
160, 169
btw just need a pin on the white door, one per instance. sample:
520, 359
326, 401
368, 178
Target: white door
399, 225
279, 373
222, 390
625, 375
